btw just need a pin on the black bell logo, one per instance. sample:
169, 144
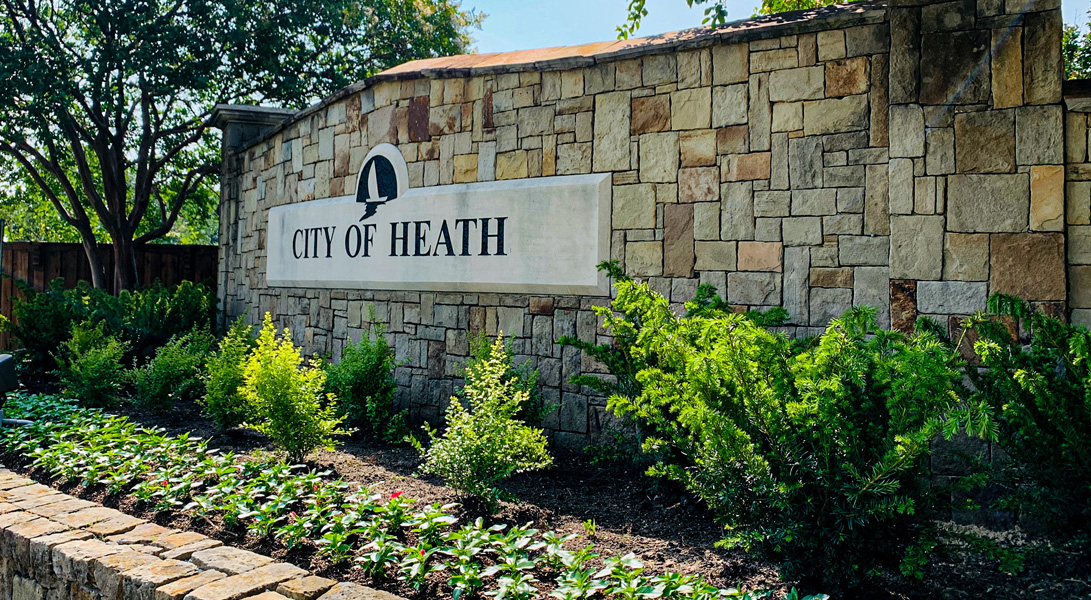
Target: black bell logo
378, 184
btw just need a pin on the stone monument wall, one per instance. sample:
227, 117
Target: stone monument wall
909, 157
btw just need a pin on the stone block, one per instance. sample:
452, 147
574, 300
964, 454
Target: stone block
871, 287
184, 552
229, 560
1007, 67
906, 131
691, 108
857, 250
760, 256
847, 77
814, 202
23, 588
988, 203
698, 148
835, 115
1080, 286
511, 165
644, 259
805, 162
940, 155
729, 105
701, 184
706, 221
1079, 245
966, 257
465, 168
659, 157
836, 277
659, 69
916, 247
633, 206
951, 297
773, 60
876, 201
1039, 135
787, 116
1078, 203
355, 591
1028, 265
828, 304
730, 63
748, 167
737, 211
843, 224
772, 204
246, 584
678, 257
733, 140
73, 561
650, 114
141, 583
715, 256
767, 230
949, 70
905, 45
903, 304
509, 320
753, 289
801, 231
831, 45
612, 124
1042, 62
1047, 198
985, 141
796, 292
790, 85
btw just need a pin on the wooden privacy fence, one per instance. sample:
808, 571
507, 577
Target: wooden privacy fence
38, 263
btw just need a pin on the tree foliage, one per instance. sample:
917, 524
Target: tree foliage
1076, 45
715, 13
105, 105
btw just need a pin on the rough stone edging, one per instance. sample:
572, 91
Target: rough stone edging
57, 547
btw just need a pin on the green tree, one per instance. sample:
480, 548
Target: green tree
716, 11
105, 105
1076, 45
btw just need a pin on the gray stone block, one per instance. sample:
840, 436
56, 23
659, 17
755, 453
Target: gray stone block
951, 297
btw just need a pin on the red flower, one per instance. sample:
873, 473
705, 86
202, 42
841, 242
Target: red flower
292, 514
422, 552
395, 495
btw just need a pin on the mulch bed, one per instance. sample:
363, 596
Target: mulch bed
664, 526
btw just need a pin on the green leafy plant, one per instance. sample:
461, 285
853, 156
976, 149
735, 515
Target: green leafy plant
89, 365
485, 443
173, 373
1038, 395
813, 453
42, 321
286, 397
363, 383
523, 377
224, 377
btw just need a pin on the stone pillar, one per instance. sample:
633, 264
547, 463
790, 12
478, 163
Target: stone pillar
241, 126
976, 155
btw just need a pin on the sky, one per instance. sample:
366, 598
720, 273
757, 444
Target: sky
527, 24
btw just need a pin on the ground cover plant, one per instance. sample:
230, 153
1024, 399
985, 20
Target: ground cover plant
389, 537
814, 452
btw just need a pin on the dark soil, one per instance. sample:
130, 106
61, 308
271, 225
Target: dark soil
665, 527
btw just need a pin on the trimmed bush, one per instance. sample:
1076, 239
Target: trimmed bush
173, 373
89, 365
286, 397
363, 383
813, 452
224, 377
1038, 395
485, 443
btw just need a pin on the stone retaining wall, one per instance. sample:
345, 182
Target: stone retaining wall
56, 547
907, 156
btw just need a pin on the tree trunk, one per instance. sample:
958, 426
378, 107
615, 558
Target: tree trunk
94, 258
125, 275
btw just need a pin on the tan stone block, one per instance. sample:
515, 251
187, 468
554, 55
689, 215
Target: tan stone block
571, 83
177, 540
651, 114
627, 74
465, 168
634, 207
175, 590
573, 159
716, 256
229, 560
659, 157
748, 167
444, 119
774, 60
698, 148
1078, 203
106, 571
140, 583
831, 45
119, 523
760, 256
706, 220
836, 115
690, 68
511, 165
791, 85
916, 247
1078, 240
733, 140
643, 259
787, 116
826, 277
691, 109
847, 77
985, 141
966, 257
730, 64
1030, 266
305, 588
1047, 198
1007, 67
1080, 294
730, 105
701, 184
246, 584
678, 257
611, 131
355, 591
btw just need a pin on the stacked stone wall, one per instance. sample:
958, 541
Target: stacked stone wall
908, 157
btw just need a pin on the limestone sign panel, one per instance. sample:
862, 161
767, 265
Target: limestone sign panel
540, 235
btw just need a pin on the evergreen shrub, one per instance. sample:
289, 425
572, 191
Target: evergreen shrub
224, 377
